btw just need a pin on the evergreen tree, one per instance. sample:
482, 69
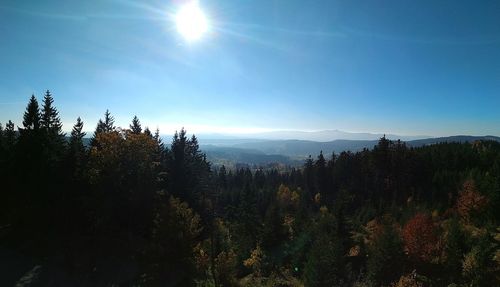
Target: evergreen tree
76, 145
106, 125
309, 181
31, 118
322, 179
454, 250
50, 120
158, 139
103, 126
52, 129
160, 150
2, 151
2, 140
325, 263
9, 136
135, 127
147, 132
385, 256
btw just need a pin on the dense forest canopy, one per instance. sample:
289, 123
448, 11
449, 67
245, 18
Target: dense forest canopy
130, 210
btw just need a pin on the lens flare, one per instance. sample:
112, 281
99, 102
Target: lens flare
191, 22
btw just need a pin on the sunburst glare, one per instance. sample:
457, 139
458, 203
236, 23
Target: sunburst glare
191, 21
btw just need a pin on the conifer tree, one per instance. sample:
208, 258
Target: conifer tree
31, 118
310, 190
76, 139
9, 135
454, 250
1, 137
160, 147
2, 150
321, 178
103, 126
50, 120
52, 129
106, 125
385, 256
158, 139
135, 127
147, 132
325, 263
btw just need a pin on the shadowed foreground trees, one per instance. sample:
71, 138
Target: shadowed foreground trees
125, 209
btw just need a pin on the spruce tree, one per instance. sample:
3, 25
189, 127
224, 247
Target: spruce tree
158, 139
50, 120
147, 132
1, 137
325, 263
31, 118
135, 127
106, 125
160, 147
103, 126
76, 152
9, 135
385, 256
322, 179
52, 129
76, 139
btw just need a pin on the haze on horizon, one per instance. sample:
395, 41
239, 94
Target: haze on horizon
400, 67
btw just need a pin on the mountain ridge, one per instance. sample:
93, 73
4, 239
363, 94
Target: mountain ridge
294, 150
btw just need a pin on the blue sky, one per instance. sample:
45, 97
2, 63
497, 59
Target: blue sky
403, 67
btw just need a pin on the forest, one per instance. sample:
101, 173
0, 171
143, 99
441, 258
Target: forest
128, 209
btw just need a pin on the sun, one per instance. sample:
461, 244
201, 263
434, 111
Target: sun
191, 22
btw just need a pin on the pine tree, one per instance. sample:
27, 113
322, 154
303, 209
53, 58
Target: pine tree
2, 151
105, 126
31, 118
309, 180
385, 256
325, 263
322, 179
9, 135
50, 120
76, 139
135, 127
147, 132
52, 129
1, 138
160, 147
454, 250
158, 139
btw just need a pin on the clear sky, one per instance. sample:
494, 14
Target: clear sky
404, 67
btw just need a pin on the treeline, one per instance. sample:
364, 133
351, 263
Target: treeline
130, 210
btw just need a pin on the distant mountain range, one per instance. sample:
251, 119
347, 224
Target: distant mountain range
320, 136
232, 151
294, 151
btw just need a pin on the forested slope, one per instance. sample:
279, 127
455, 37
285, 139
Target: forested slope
127, 211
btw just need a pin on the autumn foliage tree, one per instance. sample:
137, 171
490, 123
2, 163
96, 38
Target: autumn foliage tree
420, 238
470, 202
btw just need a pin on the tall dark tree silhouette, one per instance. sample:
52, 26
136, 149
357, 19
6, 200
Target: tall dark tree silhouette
135, 127
9, 135
322, 179
147, 132
77, 135
50, 120
51, 126
76, 149
158, 139
31, 118
103, 126
107, 125
2, 143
